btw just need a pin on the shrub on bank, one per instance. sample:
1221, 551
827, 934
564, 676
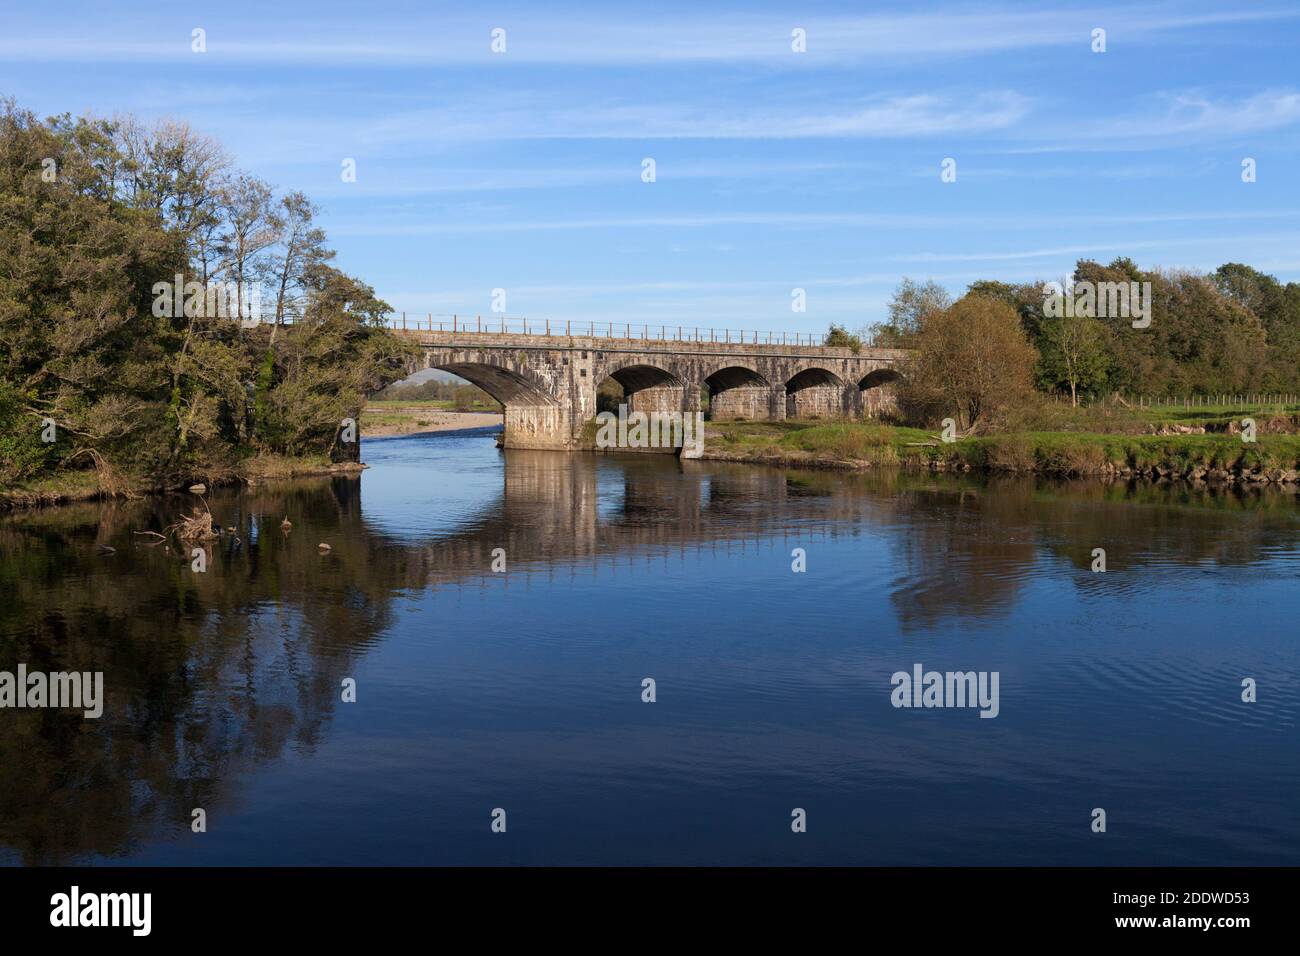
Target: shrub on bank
22, 452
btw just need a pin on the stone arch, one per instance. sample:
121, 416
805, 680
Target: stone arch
876, 390
648, 388
635, 375
535, 416
738, 392
878, 377
814, 392
508, 386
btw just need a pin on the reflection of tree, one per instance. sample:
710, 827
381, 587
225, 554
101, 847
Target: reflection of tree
968, 545
201, 679
963, 552
1171, 524
209, 675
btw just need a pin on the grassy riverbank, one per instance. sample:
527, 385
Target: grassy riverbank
1199, 456
70, 486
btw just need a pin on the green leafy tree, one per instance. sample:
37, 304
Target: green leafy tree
1074, 356
840, 337
912, 302
971, 361
97, 218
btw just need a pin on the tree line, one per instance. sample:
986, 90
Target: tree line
98, 218
1236, 330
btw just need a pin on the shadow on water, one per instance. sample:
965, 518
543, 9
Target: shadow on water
210, 677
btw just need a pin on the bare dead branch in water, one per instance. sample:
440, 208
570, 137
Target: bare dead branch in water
195, 527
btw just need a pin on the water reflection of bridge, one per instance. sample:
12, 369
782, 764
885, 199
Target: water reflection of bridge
576, 509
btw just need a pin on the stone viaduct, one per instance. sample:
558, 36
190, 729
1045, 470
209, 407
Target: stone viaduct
547, 383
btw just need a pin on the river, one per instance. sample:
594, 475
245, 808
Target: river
521, 690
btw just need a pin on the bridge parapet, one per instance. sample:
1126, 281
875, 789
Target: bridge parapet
518, 340
641, 331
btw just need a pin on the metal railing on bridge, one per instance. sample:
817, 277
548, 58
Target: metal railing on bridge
502, 325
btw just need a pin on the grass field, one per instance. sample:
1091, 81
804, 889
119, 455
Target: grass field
1273, 456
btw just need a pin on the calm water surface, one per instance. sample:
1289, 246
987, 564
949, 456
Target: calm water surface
522, 690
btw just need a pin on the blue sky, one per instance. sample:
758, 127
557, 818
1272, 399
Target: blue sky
775, 170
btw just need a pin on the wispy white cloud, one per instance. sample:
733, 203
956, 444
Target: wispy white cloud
1126, 244
705, 220
893, 117
1196, 114
793, 220
1163, 121
417, 181
1169, 119
581, 35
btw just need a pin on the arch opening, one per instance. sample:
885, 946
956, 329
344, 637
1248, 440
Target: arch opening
814, 393
813, 378
644, 388
534, 418
877, 391
881, 376
506, 386
636, 378
736, 392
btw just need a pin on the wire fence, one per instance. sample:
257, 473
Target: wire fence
1208, 400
